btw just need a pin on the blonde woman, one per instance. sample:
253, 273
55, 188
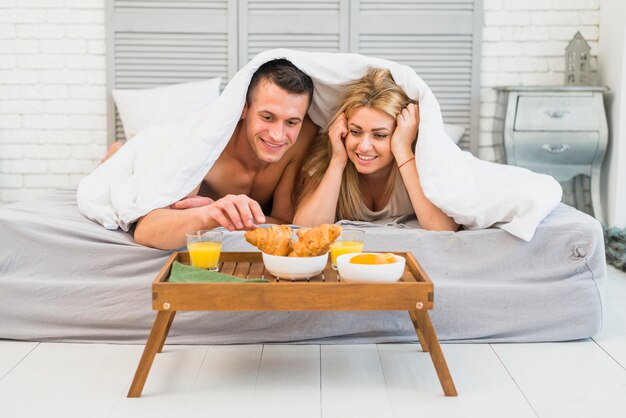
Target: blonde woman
362, 165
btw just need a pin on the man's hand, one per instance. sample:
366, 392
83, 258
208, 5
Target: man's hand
192, 202
236, 212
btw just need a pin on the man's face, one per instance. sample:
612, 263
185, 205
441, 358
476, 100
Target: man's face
272, 120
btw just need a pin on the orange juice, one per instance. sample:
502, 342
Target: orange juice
204, 254
344, 247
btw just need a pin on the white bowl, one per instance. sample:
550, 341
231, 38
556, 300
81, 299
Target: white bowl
295, 267
385, 273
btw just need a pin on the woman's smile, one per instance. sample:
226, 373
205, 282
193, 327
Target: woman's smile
366, 157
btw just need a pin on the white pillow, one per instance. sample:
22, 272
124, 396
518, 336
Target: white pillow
455, 132
142, 108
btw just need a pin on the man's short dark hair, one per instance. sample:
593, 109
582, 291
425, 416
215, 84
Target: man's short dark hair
285, 75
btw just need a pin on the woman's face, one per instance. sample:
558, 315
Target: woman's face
368, 142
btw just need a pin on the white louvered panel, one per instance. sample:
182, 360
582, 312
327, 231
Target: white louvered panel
306, 42
308, 26
149, 59
171, 4
437, 38
159, 42
444, 62
374, 6
291, 6
431, 23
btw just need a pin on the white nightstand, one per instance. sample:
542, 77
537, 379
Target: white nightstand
561, 131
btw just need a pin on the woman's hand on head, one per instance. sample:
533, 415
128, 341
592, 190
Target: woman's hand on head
336, 133
403, 137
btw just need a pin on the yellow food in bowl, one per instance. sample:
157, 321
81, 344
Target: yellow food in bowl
370, 258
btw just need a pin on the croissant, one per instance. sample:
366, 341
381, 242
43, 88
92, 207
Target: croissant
315, 241
275, 240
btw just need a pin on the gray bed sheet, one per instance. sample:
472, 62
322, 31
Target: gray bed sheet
66, 278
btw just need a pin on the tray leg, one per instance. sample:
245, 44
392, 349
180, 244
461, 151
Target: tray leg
155, 341
418, 331
423, 320
167, 331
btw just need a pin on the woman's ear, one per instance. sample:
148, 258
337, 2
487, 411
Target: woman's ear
244, 111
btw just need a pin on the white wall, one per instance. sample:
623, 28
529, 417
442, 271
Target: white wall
52, 94
52, 79
612, 62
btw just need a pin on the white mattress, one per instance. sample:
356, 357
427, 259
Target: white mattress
66, 278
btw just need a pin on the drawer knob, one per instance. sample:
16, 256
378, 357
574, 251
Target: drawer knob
556, 114
555, 149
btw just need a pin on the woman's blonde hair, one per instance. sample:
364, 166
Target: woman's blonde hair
376, 90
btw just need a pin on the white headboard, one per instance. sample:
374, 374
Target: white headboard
159, 42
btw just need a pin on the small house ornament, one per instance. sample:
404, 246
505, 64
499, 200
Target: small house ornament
578, 62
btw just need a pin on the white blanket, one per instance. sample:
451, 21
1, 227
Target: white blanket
165, 163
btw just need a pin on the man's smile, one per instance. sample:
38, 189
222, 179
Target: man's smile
270, 145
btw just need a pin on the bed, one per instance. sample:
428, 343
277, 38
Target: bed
66, 278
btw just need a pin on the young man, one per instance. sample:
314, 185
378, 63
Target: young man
256, 171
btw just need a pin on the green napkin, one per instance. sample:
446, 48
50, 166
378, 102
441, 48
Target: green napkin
183, 273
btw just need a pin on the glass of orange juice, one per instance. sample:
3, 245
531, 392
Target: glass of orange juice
350, 241
204, 248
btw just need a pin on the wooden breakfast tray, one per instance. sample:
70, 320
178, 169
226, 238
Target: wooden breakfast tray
413, 293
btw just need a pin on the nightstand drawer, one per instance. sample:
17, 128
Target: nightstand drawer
563, 148
564, 113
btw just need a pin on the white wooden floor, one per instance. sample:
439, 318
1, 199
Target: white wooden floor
574, 379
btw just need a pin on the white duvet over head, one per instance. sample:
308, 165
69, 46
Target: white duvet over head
163, 164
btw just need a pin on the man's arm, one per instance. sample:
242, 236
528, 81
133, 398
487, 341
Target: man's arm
165, 228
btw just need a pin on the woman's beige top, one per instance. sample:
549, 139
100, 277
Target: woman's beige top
399, 204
